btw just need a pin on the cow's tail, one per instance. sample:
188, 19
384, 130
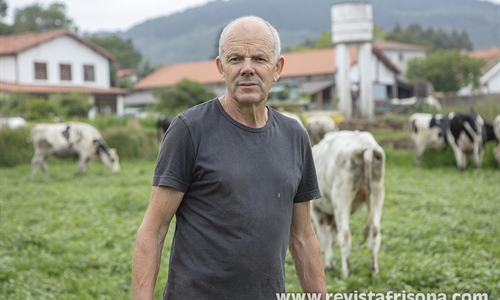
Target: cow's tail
368, 171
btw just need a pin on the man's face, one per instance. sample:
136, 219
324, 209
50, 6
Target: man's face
248, 66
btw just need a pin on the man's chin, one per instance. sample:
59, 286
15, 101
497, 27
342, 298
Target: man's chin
249, 99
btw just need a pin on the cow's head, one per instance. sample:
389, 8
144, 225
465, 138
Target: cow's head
108, 156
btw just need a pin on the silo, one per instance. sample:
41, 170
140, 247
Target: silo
352, 24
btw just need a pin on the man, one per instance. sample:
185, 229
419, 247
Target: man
238, 176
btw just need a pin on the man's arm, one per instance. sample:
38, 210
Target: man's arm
305, 251
163, 204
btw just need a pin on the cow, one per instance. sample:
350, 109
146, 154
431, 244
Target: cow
71, 139
467, 134
319, 125
162, 125
496, 131
350, 167
427, 131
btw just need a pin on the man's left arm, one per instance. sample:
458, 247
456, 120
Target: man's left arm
305, 250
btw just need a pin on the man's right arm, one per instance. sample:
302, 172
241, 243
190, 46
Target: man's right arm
151, 235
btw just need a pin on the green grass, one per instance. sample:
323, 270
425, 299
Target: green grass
72, 237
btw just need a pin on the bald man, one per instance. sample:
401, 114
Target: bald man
238, 176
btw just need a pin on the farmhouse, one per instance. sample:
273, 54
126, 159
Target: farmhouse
490, 78
59, 61
313, 71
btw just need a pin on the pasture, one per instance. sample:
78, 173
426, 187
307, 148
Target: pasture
72, 237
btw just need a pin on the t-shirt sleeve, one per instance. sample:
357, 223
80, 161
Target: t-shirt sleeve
308, 187
175, 161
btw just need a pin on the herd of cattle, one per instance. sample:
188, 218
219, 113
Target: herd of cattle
350, 165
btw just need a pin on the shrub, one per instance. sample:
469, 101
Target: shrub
132, 141
38, 109
73, 104
14, 146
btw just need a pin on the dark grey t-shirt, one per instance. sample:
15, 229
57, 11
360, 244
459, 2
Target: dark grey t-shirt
240, 183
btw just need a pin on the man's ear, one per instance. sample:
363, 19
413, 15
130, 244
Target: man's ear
279, 67
218, 62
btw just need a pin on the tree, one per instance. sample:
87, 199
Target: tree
4, 28
434, 39
127, 57
447, 70
37, 18
184, 95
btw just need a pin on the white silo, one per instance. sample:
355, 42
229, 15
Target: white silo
352, 24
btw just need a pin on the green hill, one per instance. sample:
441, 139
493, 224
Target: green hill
191, 35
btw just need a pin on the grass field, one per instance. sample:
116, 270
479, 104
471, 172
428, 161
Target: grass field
72, 237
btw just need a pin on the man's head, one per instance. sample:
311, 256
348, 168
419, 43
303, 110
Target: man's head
274, 32
249, 59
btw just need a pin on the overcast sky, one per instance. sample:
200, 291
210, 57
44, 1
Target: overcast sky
110, 15
94, 15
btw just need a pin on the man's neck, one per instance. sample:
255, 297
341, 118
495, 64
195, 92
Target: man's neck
251, 115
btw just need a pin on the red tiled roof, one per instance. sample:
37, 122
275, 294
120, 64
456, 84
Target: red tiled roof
487, 54
50, 89
14, 44
304, 63
204, 72
125, 72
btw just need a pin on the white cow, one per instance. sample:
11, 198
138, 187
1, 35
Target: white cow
427, 131
350, 166
319, 125
71, 139
496, 130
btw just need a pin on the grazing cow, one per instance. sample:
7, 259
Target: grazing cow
71, 139
467, 134
427, 131
319, 125
496, 131
162, 125
350, 166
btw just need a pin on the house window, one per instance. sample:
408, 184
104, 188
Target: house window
65, 71
40, 71
88, 72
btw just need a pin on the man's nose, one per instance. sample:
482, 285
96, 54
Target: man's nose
247, 69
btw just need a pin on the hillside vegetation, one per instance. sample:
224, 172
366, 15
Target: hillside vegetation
191, 35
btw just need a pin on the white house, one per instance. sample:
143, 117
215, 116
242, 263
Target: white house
400, 54
490, 78
58, 62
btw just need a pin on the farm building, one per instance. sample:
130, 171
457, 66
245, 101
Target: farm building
59, 61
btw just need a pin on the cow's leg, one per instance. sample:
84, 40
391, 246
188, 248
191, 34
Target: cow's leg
375, 236
37, 161
323, 232
478, 153
460, 157
418, 154
342, 213
83, 164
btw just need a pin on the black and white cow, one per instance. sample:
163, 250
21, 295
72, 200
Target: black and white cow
467, 134
162, 125
71, 139
319, 125
427, 131
496, 131
350, 166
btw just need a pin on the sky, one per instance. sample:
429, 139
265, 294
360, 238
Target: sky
109, 15
112, 15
